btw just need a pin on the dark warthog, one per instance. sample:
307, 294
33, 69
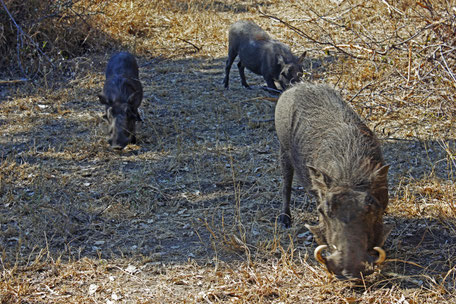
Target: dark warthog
338, 159
262, 55
122, 95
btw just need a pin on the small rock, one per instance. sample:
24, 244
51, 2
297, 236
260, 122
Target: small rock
92, 289
131, 269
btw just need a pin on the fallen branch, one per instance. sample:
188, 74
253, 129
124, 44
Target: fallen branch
186, 41
392, 8
359, 92
273, 99
5, 82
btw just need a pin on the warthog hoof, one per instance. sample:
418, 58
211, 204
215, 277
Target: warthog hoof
285, 220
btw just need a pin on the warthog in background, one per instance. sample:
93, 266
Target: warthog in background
122, 95
338, 159
262, 55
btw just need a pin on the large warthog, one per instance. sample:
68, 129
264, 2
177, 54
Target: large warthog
122, 95
338, 159
262, 55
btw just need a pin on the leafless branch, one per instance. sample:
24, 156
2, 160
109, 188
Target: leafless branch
192, 44
447, 68
5, 82
343, 47
304, 35
20, 35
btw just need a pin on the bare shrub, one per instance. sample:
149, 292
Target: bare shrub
36, 35
401, 57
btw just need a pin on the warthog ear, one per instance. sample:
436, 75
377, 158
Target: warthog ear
318, 233
302, 57
134, 100
380, 175
103, 99
320, 181
280, 60
379, 184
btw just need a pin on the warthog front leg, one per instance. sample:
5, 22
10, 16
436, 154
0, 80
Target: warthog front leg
287, 173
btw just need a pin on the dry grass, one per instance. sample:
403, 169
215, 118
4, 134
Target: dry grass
188, 215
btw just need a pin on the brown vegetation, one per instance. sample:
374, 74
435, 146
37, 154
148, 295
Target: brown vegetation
188, 214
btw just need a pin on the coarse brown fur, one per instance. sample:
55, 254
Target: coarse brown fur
336, 157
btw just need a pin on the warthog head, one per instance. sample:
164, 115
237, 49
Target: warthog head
121, 116
290, 73
350, 223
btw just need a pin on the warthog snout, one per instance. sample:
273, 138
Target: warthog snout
120, 141
351, 269
121, 126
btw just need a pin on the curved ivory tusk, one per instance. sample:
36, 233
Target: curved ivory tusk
317, 254
381, 255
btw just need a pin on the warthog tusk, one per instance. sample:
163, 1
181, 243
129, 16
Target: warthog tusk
317, 254
381, 255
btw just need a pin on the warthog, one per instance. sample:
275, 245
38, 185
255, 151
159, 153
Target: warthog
122, 95
262, 55
339, 160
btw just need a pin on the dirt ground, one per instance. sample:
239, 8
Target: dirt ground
189, 213
200, 189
